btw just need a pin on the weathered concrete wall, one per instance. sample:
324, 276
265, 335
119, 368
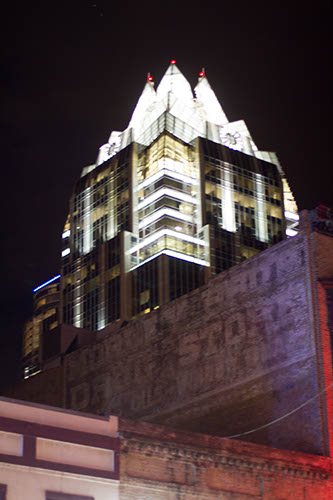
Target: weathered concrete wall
227, 358
157, 463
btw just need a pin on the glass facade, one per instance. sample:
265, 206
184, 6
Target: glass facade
243, 201
161, 220
101, 210
168, 197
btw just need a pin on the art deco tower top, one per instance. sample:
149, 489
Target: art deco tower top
180, 195
174, 96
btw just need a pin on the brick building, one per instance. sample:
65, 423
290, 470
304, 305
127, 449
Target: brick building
52, 454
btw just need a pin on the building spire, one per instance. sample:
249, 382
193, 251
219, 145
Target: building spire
147, 98
175, 83
208, 100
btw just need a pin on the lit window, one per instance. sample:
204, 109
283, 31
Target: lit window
66, 234
291, 232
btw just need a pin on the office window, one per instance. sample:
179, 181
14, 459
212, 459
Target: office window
53, 495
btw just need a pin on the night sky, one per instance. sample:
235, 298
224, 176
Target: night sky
72, 72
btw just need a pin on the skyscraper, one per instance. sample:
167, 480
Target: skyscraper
180, 195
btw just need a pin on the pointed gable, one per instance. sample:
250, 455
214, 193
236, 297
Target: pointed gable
209, 103
175, 83
147, 99
175, 97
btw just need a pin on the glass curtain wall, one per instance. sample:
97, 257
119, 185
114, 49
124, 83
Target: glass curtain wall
243, 196
168, 202
100, 210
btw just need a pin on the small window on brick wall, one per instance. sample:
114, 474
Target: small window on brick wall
54, 495
3, 491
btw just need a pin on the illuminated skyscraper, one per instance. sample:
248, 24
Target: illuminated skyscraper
179, 196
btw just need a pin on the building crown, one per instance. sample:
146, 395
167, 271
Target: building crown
201, 112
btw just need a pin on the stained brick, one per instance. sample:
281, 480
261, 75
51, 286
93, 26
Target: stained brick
160, 463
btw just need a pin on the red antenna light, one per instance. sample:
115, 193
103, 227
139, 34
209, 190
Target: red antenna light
173, 61
149, 78
202, 72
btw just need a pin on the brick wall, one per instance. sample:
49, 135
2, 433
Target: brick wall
227, 358
156, 463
